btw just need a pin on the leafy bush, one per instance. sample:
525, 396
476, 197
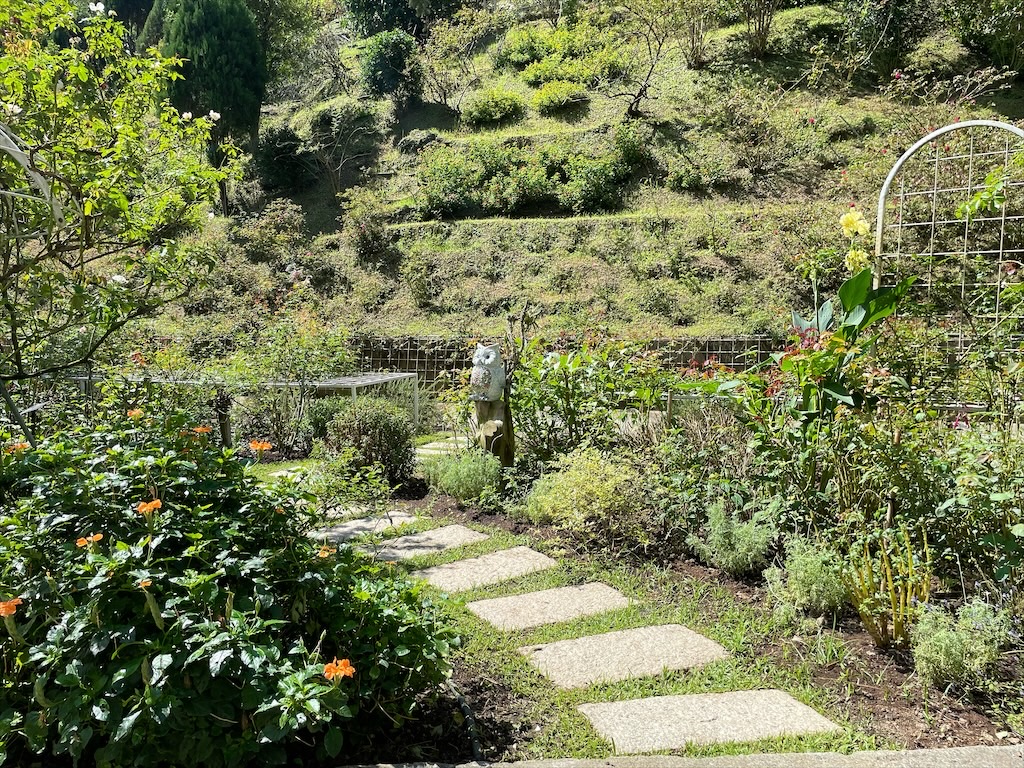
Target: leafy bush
319, 415
493, 105
341, 480
557, 95
736, 545
281, 160
959, 652
594, 499
991, 28
811, 583
365, 228
390, 66
494, 176
466, 476
168, 609
887, 31
380, 432
570, 399
522, 45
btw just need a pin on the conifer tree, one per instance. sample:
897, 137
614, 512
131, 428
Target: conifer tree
224, 72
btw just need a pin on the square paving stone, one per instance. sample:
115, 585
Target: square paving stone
672, 722
623, 654
364, 526
486, 569
548, 606
429, 542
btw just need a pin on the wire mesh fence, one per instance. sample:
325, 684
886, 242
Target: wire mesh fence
435, 358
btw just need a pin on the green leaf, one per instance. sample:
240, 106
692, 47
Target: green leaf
856, 290
218, 659
333, 741
125, 726
838, 392
1018, 530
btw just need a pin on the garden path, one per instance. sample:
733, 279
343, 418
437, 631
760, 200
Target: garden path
633, 726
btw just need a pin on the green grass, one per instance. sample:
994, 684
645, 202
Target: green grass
656, 597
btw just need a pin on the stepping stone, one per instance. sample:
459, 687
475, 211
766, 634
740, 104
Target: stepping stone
613, 656
486, 569
429, 542
672, 722
362, 527
549, 606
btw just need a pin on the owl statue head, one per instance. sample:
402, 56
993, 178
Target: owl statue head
487, 356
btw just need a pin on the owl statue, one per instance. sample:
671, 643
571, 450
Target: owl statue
487, 379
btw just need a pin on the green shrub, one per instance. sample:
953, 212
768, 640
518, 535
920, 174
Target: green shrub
365, 228
594, 499
380, 432
991, 28
959, 652
172, 610
341, 480
319, 415
282, 162
592, 184
811, 583
521, 46
391, 67
493, 105
737, 546
466, 476
557, 95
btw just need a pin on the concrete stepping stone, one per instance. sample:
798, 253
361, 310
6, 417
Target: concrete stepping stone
548, 606
672, 722
364, 526
486, 569
620, 655
429, 542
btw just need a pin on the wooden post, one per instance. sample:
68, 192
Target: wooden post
492, 437
222, 406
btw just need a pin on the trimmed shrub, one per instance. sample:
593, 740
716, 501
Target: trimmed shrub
557, 95
466, 476
594, 499
493, 105
177, 613
380, 432
391, 67
959, 652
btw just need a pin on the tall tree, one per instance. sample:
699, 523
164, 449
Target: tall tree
224, 74
94, 187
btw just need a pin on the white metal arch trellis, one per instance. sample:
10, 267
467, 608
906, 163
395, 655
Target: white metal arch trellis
969, 270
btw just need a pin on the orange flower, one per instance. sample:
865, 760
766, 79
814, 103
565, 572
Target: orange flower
203, 430
143, 583
326, 551
338, 669
15, 447
135, 413
85, 541
9, 607
147, 507
260, 445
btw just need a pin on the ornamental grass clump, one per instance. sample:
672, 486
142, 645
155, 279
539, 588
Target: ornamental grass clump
164, 607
